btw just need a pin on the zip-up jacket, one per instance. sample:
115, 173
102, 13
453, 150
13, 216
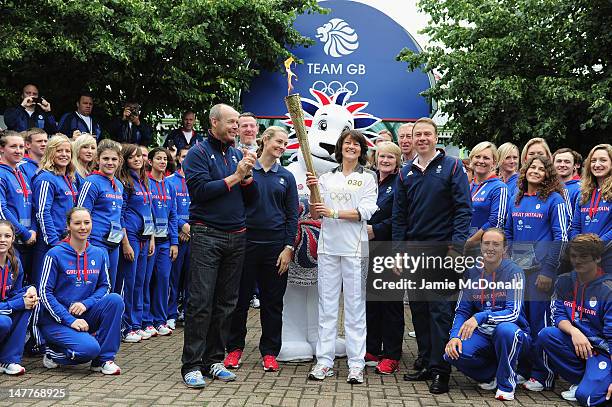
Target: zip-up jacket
432, 205
595, 216
104, 199
512, 184
16, 201
571, 194
587, 306
29, 168
274, 215
69, 277
122, 132
164, 210
491, 307
536, 223
54, 196
213, 202
136, 207
18, 119
381, 220
177, 180
71, 121
177, 139
11, 290
489, 204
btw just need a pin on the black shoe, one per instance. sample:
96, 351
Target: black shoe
418, 364
418, 376
439, 384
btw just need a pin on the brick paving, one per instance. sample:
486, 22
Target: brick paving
150, 376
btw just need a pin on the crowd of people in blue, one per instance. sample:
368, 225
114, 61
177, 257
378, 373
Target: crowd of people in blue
104, 241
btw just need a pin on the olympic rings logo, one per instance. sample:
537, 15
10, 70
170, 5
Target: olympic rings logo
340, 196
336, 86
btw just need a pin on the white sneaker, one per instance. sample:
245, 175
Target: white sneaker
255, 302
492, 385
109, 367
132, 337
320, 372
143, 334
533, 385
49, 363
520, 379
570, 395
163, 330
355, 375
14, 369
171, 324
151, 331
504, 395
412, 334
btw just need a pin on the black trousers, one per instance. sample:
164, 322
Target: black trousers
215, 265
260, 266
432, 320
385, 327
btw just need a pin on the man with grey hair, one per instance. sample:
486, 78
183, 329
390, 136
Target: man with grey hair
220, 183
404, 139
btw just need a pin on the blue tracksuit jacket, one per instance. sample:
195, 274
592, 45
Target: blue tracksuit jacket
534, 220
177, 180
136, 208
104, 199
571, 194
69, 277
213, 203
54, 196
29, 167
11, 290
512, 184
433, 205
16, 201
594, 216
164, 210
381, 220
489, 204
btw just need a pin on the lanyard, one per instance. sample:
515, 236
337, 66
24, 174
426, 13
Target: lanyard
145, 191
482, 184
111, 178
84, 271
492, 292
22, 183
5, 281
594, 208
599, 274
74, 200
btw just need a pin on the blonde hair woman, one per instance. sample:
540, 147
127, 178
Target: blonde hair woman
508, 166
83, 157
535, 146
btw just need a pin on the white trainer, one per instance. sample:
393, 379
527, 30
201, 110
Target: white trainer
143, 334
504, 395
151, 331
171, 324
570, 395
355, 375
533, 385
49, 363
13, 369
109, 368
320, 372
132, 337
492, 385
163, 330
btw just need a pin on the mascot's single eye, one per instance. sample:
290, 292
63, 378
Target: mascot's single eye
323, 125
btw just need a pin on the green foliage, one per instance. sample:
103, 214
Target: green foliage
516, 69
168, 55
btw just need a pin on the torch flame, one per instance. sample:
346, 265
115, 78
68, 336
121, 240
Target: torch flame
290, 73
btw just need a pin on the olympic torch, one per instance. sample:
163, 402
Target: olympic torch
294, 106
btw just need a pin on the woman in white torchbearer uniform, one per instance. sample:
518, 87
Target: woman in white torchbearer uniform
349, 195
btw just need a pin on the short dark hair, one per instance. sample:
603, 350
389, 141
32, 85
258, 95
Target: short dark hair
358, 137
575, 154
247, 114
84, 93
587, 244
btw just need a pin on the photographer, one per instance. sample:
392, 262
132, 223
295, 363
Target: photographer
34, 111
130, 129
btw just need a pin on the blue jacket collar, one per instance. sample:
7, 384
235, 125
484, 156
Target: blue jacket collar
258, 166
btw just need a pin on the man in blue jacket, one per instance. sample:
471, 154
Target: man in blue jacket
33, 111
220, 183
130, 128
432, 204
81, 119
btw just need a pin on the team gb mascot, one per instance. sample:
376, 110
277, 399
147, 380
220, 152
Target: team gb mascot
325, 119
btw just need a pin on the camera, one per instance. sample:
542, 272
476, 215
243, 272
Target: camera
37, 100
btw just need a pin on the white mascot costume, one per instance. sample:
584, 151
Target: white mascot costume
326, 118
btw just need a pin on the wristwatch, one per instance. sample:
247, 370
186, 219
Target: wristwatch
289, 247
336, 214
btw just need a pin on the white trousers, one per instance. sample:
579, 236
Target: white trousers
336, 273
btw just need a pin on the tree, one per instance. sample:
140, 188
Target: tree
516, 69
169, 55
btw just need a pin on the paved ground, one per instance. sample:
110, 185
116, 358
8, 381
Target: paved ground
150, 376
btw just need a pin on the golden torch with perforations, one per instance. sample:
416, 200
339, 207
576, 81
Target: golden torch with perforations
294, 106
